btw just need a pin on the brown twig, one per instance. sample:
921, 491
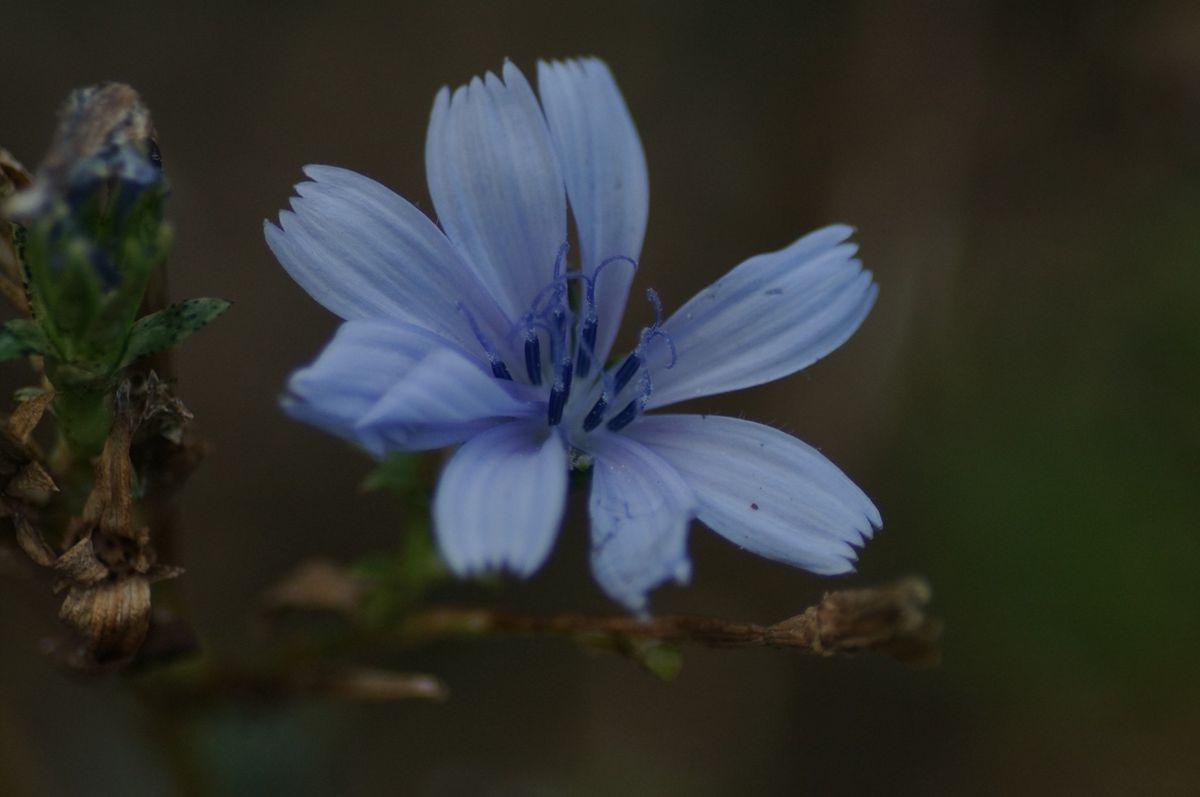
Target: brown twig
890, 620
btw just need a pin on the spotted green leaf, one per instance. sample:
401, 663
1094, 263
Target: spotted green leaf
167, 327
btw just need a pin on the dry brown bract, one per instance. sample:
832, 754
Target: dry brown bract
110, 562
24, 483
13, 178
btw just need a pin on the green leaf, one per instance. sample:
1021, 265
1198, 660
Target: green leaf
399, 581
661, 660
165, 328
21, 337
399, 473
23, 394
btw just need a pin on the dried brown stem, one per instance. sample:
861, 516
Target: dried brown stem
890, 620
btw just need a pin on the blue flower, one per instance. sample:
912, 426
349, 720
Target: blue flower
479, 334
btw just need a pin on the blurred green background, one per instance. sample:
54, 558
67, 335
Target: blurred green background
1021, 404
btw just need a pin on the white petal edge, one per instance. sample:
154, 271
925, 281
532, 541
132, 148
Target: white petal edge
497, 186
605, 172
362, 251
500, 499
639, 508
764, 489
769, 317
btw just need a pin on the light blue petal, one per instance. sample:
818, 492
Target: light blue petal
364, 252
605, 171
639, 508
370, 360
764, 489
500, 498
771, 316
496, 185
443, 399
354, 370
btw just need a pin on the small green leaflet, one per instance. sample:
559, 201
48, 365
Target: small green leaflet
20, 337
165, 328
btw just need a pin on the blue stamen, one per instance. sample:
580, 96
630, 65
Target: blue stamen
560, 258
658, 333
554, 410
533, 358
499, 369
625, 416
564, 378
652, 295
587, 345
626, 372
559, 394
586, 342
596, 414
609, 261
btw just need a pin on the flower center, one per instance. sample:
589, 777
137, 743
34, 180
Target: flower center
558, 344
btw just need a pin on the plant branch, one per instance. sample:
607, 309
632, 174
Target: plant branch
891, 620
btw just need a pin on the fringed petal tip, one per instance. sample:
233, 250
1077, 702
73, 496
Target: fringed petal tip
764, 490
496, 184
773, 315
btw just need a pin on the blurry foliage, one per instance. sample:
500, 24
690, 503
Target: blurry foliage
1054, 453
398, 580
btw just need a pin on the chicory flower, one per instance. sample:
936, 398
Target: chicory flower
480, 333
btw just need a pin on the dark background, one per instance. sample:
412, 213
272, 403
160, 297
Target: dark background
1021, 404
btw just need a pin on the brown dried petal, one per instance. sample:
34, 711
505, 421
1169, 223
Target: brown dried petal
317, 584
12, 174
156, 573
27, 415
110, 505
114, 616
32, 542
32, 485
13, 177
79, 566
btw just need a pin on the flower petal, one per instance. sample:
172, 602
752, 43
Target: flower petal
362, 251
390, 386
443, 399
639, 508
764, 489
605, 171
496, 184
359, 366
500, 499
771, 316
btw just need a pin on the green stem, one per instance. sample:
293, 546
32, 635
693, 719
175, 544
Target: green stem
84, 421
